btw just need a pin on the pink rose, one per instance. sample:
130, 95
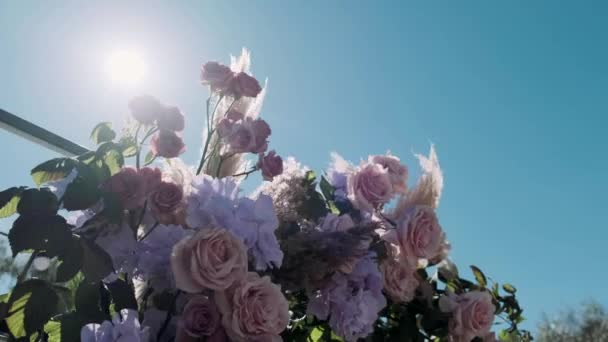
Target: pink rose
254, 309
200, 317
152, 178
472, 314
271, 165
171, 119
216, 75
129, 186
166, 199
369, 187
397, 172
244, 85
419, 233
244, 135
213, 258
167, 144
399, 276
145, 109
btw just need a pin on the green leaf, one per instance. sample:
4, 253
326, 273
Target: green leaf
315, 334
83, 192
327, 189
38, 202
9, 199
114, 160
52, 170
509, 288
310, 177
48, 233
123, 295
150, 156
103, 132
65, 328
479, 276
31, 305
89, 303
71, 261
96, 263
128, 146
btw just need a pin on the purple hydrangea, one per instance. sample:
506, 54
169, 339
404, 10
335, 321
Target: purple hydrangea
214, 202
120, 244
351, 301
154, 254
124, 327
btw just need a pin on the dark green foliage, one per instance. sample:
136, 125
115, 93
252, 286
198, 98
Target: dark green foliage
31, 304
9, 200
102, 133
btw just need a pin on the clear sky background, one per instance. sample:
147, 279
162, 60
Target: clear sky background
513, 94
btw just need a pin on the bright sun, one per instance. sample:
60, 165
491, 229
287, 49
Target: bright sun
125, 67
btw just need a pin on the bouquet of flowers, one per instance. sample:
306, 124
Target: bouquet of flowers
161, 251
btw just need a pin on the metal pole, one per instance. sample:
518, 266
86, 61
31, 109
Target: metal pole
39, 135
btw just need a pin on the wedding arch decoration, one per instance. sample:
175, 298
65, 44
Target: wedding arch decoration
162, 251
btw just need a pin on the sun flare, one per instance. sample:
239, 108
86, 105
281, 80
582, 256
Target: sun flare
125, 67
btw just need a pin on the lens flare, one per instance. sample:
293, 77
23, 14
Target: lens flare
125, 67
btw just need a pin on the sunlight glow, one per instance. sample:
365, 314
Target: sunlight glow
125, 67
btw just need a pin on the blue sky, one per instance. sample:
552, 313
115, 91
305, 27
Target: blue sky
512, 94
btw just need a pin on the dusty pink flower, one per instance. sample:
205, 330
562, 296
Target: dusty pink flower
399, 279
171, 119
213, 258
369, 187
167, 144
254, 309
397, 172
419, 234
271, 165
152, 178
472, 314
244, 134
244, 85
201, 317
145, 109
129, 186
166, 199
216, 75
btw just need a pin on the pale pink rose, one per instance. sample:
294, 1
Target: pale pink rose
419, 233
171, 119
369, 187
167, 144
244, 85
145, 109
399, 279
472, 314
166, 199
397, 172
213, 259
152, 178
216, 75
129, 186
254, 309
271, 165
335, 223
200, 317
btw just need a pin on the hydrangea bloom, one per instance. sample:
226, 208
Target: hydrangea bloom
124, 327
351, 301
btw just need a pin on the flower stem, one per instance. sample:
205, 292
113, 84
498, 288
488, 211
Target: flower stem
246, 173
149, 231
138, 146
168, 317
210, 131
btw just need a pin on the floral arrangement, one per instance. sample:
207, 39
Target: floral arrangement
160, 251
